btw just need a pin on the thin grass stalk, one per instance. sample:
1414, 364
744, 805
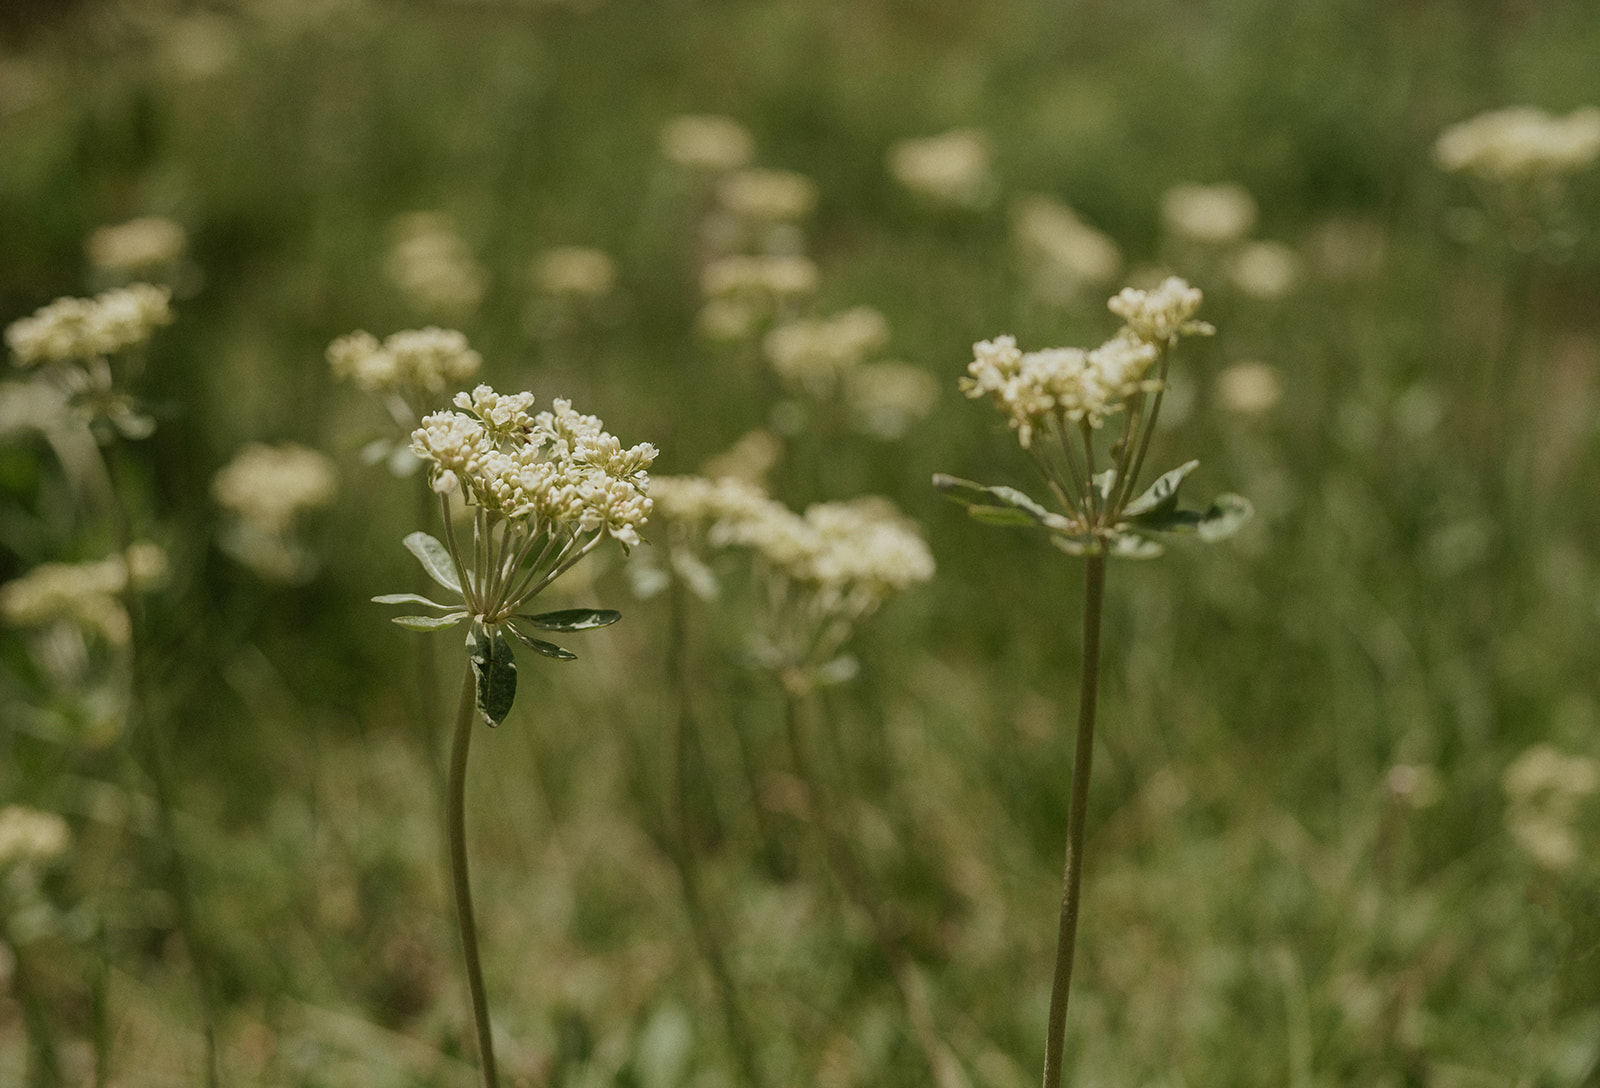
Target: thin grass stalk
162, 778
456, 831
841, 861
684, 855
1094, 582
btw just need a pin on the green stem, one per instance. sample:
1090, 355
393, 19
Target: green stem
684, 855
456, 828
1094, 584
44, 1068
162, 779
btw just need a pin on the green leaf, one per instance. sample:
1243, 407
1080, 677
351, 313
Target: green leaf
548, 649
573, 619
496, 673
411, 598
1225, 517
1161, 498
1133, 546
435, 559
429, 623
998, 505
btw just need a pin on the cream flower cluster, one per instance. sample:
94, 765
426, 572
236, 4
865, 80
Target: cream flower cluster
29, 835
1061, 252
81, 329
1521, 144
1544, 787
744, 292
954, 169
433, 267
89, 593
139, 245
269, 486
1084, 386
762, 195
414, 362
559, 469
852, 555
1209, 214
815, 354
574, 272
706, 143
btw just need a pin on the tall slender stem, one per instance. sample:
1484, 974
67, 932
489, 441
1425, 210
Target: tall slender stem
456, 823
1094, 584
682, 849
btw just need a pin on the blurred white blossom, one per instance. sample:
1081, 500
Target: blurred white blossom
1521, 144
1209, 214
1061, 253
952, 170
83, 329
815, 354
706, 143
433, 267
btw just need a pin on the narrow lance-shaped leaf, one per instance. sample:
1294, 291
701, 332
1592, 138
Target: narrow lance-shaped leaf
539, 646
411, 598
496, 673
573, 619
430, 623
435, 559
998, 505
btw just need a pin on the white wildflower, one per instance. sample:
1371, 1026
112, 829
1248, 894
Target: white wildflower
1209, 214
1160, 315
767, 196
28, 835
81, 329
576, 272
885, 399
1061, 253
1544, 788
706, 143
1076, 385
139, 245
416, 364
1521, 144
954, 169
89, 594
1249, 388
1264, 270
433, 267
815, 354
752, 457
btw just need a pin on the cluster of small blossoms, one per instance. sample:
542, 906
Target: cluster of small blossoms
558, 470
885, 399
433, 268
413, 364
89, 594
1060, 252
574, 272
1544, 787
760, 195
744, 292
1209, 214
706, 144
147, 244
815, 354
265, 489
83, 329
28, 835
849, 556
1085, 386
1521, 145
954, 169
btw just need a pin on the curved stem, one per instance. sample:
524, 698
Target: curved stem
1094, 584
456, 827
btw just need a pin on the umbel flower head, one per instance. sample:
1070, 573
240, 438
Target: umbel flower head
1521, 145
824, 570
545, 489
1059, 401
89, 595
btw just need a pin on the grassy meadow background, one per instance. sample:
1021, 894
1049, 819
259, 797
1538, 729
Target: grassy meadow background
1268, 901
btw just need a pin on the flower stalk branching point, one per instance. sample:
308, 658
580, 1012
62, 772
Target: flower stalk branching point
1086, 419
544, 490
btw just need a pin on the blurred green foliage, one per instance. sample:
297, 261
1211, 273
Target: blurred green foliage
1267, 902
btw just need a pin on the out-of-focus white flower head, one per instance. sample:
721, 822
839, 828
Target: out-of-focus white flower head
1519, 145
1159, 316
1061, 253
760, 195
1249, 388
144, 245
416, 364
1264, 270
31, 836
952, 170
744, 293
1544, 787
265, 489
886, 399
706, 143
433, 268
1214, 215
752, 458
574, 272
83, 329
88, 594
815, 354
